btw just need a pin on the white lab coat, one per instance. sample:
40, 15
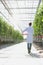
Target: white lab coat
30, 32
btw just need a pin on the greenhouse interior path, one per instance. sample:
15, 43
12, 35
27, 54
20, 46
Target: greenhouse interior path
17, 55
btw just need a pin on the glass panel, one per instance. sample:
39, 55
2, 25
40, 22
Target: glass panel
20, 16
12, 4
1, 6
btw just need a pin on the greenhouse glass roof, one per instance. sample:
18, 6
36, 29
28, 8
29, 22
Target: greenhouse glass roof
19, 12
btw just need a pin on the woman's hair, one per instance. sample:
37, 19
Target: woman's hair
30, 24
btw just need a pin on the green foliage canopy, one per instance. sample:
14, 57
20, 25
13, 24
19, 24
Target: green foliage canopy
8, 31
38, 21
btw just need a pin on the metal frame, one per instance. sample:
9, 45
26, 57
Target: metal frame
4, 16
6, 6
19, 8
24, 8
38, 5
19, 0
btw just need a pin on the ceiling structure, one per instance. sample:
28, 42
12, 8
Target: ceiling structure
19, 12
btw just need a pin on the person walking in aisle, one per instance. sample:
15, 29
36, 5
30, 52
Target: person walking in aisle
30, 32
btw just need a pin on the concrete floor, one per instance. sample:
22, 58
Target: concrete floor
17, 55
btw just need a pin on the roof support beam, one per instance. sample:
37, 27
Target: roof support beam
26, 13
6, 6
24, 8
26, 20
4, 16
21, 0
38, 5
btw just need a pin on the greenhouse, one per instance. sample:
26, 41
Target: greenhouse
21, 32
15, 16
19, 12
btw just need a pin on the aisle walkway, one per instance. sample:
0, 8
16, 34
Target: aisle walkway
17, 55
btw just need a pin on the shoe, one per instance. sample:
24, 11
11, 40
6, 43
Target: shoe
29, 51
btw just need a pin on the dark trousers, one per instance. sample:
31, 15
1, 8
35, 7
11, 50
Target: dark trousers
29, 47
